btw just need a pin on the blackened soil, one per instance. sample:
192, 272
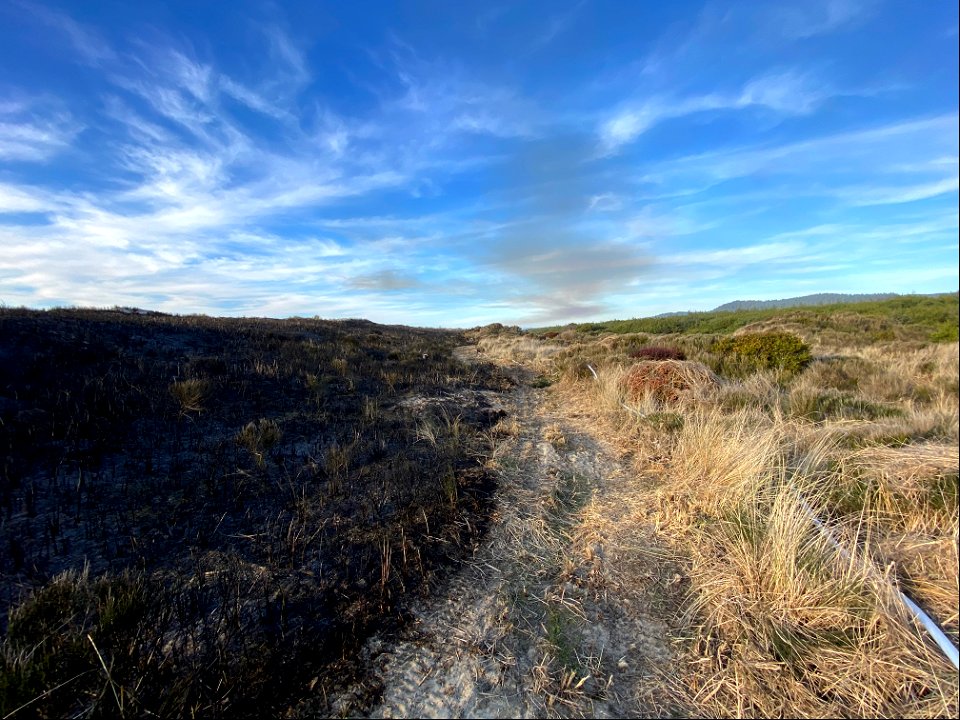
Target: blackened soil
265, 494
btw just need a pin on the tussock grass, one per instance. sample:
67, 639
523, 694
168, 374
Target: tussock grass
189, 394
865, 437
786, 625
719, 461
517, 349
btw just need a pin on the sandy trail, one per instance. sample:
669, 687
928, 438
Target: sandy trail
564, 609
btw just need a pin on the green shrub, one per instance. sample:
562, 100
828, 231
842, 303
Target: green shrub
946, 332
750, 352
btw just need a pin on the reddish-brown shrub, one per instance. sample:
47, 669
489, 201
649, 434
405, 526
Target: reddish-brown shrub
668, 381
658, 352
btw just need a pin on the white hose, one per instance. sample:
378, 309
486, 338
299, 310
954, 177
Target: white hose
939, 637
949, 649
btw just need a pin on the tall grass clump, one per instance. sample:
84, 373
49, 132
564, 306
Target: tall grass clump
668, 382
55, 646
189, 394
786, 625
810, 418
721, 461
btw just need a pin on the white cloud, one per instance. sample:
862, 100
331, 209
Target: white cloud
787, 92
605, 202
487, 123
626, 126
441, 97
654, 224
253, 99
35, 140
15, 199
287, 54
739, 257
873, 150
194, 77
238, 193
873, 195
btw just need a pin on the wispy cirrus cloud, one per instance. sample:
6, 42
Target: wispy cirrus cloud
785, 92
17, 199
440, 97
556, 25
735, 259
289, 59
261, 169
811, 254
882, 148
254, 100
196, 178
895, 195
34, 130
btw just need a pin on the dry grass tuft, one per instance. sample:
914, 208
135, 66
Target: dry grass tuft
721, 460
189, 394
785, 624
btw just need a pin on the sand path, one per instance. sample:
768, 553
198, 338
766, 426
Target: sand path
564, 609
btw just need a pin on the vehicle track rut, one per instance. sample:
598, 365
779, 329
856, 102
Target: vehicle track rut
565, 607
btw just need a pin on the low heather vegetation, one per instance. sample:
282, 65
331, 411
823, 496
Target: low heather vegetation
746, 353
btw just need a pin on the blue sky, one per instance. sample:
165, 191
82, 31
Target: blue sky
458, 163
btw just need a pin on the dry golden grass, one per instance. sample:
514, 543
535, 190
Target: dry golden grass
517, 349
720, 460
780, 622
189, 394
785, 624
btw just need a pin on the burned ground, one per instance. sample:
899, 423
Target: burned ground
209, 515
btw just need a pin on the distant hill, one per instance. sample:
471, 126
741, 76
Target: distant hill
817, 299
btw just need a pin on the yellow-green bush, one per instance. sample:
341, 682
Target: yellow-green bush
743, 354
